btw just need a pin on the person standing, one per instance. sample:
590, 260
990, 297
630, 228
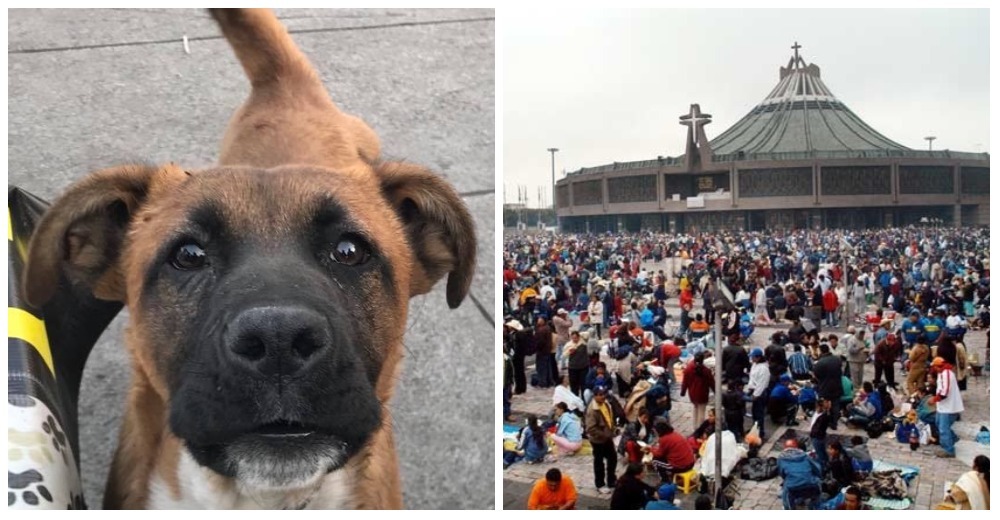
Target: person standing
579, 362
886, 353
829, 373
918, 361
508, 382
601, 432
734, 407
595, 313
522, 340
545, 358
857, 354
949, 404
817, 431
760, 379
562, 324
698, 380
830, 306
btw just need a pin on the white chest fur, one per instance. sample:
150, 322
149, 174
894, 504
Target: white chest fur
201, 489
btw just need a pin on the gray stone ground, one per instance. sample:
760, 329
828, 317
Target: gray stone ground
926, 490
89, 89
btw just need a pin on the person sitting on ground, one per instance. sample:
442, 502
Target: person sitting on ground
800, 477
807, 399
555, 491
699, 327
631, 492
671, 453
848, 394
568, 437
637, 437
665, 498
861, 458
783, 403
972, 489
797, 332
799, 364
703, 431
840, 471
531, 446
886, 403
658, 401
703, 503
863, 411
852, 500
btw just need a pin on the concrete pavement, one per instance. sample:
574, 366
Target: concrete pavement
926, 490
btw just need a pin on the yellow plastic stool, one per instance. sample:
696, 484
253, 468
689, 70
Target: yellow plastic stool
686, 481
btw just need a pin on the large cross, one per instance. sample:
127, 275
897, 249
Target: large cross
695, 118
796, 48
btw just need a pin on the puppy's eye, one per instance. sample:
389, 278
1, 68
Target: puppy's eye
350, 251
188, 257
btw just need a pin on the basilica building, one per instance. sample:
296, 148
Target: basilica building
801, 159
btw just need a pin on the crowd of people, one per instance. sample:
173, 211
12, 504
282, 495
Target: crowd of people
596, 322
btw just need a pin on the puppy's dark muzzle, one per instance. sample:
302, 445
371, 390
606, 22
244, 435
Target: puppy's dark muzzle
277, 341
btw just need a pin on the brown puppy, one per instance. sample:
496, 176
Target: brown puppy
267, 296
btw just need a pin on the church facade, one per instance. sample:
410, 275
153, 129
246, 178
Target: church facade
801, 159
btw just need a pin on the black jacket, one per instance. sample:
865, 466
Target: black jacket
828, 371
631, 493
735, 362
820, 426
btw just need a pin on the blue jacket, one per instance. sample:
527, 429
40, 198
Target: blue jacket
782, 393
798, 470
911, 330
932, 328
532, 451
569, 428
646, 318
876, 401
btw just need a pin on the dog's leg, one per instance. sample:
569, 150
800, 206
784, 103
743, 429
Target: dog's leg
289, 117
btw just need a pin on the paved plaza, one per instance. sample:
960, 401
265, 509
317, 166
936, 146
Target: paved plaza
926, 490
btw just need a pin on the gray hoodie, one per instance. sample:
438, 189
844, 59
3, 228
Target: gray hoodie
857, 350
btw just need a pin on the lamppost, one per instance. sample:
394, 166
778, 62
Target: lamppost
554, 215
930, 142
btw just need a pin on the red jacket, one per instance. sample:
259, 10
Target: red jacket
674, 450
830, 301
698, 382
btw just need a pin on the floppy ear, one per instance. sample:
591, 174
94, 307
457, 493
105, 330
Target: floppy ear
438, 226
82, 233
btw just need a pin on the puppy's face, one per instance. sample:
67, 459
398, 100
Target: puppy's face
267, 307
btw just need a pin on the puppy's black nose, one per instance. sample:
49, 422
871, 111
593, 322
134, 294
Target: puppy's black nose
277, 340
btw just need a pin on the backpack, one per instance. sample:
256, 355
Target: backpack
760, 469
875, 429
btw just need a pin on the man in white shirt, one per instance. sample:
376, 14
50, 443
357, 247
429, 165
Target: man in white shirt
760, 377
949, 405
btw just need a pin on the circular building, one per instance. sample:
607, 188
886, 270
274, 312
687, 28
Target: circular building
800, 159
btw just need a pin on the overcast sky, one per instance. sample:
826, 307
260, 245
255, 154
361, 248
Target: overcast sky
606, 86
